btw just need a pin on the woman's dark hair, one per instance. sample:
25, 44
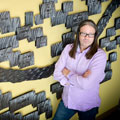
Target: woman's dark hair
94, 47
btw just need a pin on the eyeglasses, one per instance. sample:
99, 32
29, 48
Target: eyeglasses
86, 34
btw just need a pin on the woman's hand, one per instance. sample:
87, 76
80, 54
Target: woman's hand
65, 71
86, 74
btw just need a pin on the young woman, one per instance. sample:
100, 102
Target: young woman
80, 69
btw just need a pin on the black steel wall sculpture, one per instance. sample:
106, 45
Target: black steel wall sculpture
56, 88
38, 100
22, 60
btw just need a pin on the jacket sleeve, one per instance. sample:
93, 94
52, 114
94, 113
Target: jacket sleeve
59, 66
97, 67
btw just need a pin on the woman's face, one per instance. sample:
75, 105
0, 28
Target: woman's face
86, 36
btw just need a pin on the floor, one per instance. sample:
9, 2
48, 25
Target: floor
113, 116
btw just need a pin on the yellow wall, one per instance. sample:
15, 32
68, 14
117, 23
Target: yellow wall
109, 91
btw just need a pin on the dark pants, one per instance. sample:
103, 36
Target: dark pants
64, 113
